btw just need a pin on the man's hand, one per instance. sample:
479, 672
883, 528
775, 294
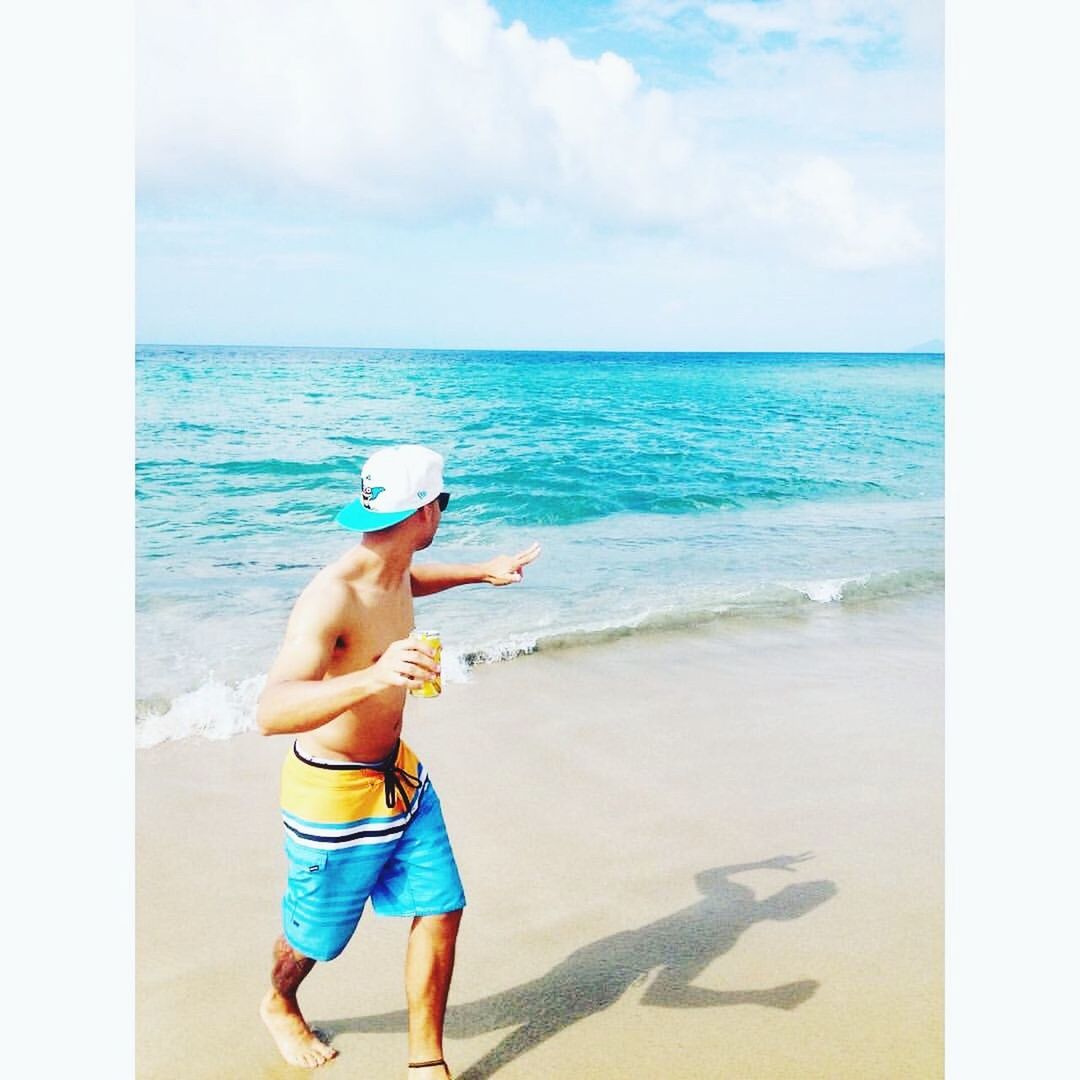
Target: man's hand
408, 662
508, 569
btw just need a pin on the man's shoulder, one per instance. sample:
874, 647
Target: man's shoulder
328, 593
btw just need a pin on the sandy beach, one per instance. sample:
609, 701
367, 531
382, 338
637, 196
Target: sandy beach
627, 819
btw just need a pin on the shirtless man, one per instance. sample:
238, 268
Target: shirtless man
361, 816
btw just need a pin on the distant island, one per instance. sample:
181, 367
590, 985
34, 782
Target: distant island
934, 345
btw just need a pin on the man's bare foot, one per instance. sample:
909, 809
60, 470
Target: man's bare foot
298, 1044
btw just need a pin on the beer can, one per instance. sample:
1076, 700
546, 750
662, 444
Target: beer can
433, 687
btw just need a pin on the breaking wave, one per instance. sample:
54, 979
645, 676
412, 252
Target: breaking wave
219, 709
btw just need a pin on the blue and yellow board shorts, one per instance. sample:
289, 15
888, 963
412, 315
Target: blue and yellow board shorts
355, 830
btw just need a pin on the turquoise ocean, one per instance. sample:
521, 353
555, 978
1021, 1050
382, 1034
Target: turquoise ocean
669, 490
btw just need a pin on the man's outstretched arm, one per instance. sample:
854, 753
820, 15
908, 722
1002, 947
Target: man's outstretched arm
428, 578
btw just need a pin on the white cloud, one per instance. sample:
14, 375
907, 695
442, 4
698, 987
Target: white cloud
842, 22
834, 224
431, 108
755, 19
864, 33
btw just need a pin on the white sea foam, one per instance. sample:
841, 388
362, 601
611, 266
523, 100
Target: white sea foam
455, 666
826, 591
219, 710
215, 710
496, 651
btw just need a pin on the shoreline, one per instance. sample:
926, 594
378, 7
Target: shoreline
617, 812
158, 718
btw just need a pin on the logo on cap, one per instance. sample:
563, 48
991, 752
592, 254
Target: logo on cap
369, 494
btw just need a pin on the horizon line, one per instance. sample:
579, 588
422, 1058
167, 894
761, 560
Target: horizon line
539, 349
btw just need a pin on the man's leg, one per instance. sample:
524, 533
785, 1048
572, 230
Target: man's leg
281, 1014
429, 964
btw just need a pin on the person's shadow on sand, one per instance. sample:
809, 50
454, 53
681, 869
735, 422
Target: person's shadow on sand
593, 977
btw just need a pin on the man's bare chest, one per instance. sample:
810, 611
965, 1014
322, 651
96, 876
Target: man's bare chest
364, 636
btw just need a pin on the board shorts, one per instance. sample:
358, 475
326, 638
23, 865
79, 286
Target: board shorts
360, 830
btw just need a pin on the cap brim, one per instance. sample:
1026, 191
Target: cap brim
357, 517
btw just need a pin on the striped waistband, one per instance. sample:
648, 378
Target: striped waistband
327, 763
335, 804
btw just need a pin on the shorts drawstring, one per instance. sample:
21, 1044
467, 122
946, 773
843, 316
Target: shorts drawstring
397, 779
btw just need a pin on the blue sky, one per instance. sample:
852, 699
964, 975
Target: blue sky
630, 174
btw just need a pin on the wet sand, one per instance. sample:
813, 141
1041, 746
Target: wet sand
627, 819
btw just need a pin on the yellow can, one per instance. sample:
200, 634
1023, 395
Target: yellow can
433, 687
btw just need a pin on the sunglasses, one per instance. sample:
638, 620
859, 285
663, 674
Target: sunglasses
444, 500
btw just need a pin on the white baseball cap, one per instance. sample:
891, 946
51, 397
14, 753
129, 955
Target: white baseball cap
394, 483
